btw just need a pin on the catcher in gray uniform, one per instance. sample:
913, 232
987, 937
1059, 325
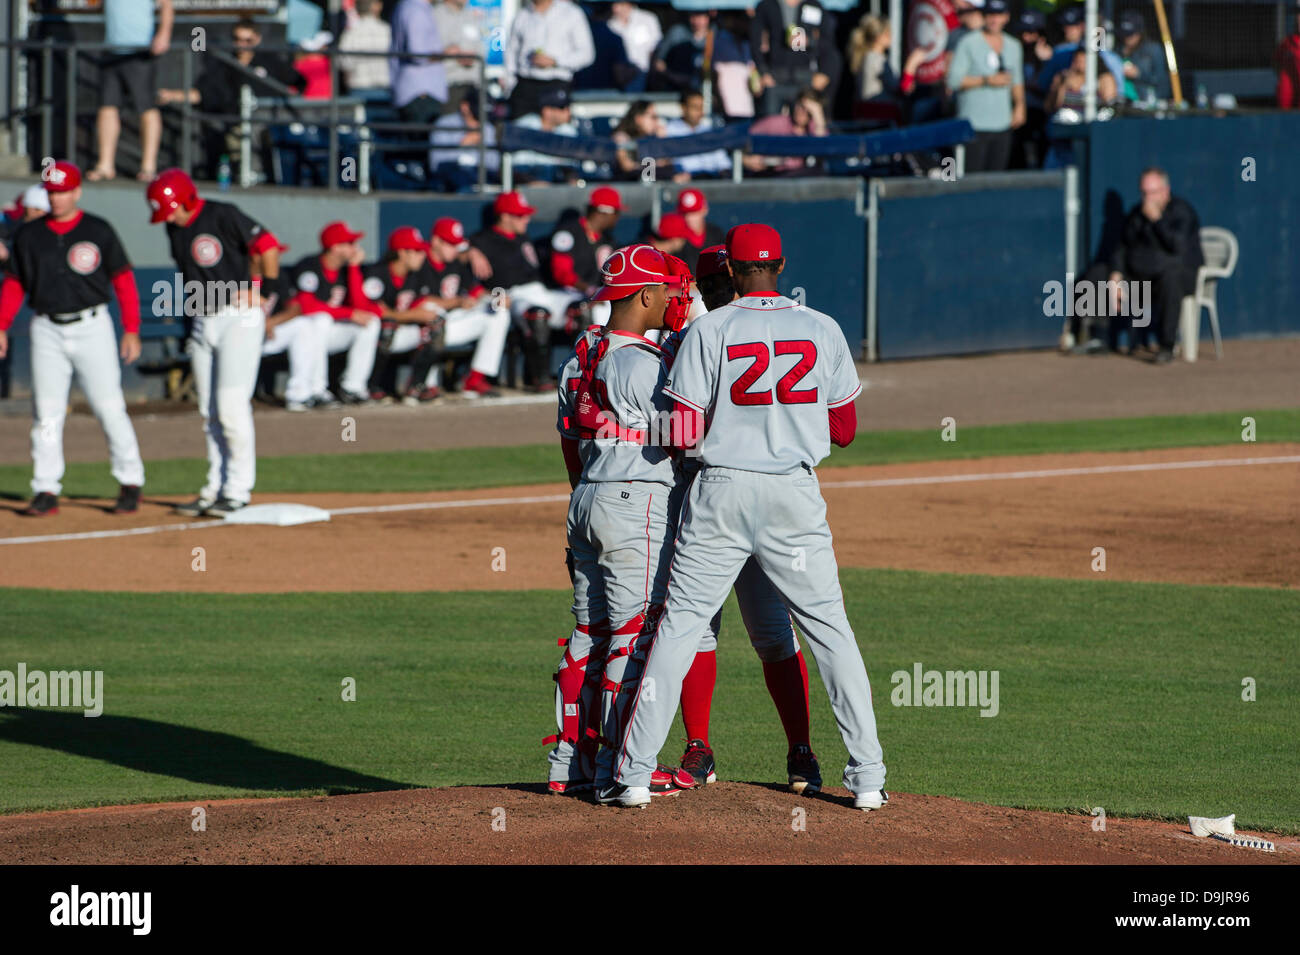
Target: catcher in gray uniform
772, 383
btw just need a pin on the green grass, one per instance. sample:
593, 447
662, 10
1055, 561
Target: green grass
1120, 695
461, 468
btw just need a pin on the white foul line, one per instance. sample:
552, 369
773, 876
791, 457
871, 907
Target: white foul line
915, 481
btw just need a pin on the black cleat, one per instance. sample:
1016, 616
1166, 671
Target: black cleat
804, 772
225, 506
43, 505
128, 499
697, 762
195, 508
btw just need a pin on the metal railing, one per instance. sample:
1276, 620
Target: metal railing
251, 106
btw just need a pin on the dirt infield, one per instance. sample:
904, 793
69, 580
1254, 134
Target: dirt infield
728, 822
980, 389
1188, 515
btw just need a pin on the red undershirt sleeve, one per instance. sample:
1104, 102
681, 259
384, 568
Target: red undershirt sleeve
844, 424
128, 300
692, 426
310, 304
11, 299
356, 292
572, 459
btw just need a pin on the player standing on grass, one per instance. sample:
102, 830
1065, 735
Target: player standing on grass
774, 382
227, 256
68, 263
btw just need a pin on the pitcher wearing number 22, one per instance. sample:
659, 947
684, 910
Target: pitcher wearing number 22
774, 383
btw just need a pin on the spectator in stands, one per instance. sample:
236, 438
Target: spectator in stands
1067, 90
733, 67
1030, 140
679, 59
1072, 24
217, 90
554, 116
786, 40
641, 121
129, 78
366, 32
611, 69
641, 34
1161, 244
986, 74
1288, 65
549, 41
462, 30
314, 66
455, 139
875, 83
419, 83
693, 207
1146, 74
692, 121
970, 19
805, 117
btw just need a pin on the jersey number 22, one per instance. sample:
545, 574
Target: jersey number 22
760, 359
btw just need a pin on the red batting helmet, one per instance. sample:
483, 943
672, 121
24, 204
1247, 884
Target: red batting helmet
629, 269
171, 189
679, 292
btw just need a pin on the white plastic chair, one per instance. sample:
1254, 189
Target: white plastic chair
1219, 247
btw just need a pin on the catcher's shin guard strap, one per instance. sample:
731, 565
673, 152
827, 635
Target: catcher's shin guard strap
570, 678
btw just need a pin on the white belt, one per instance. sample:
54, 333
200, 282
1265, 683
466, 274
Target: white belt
68, 318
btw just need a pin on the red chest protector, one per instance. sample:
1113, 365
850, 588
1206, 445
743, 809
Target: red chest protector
593, 416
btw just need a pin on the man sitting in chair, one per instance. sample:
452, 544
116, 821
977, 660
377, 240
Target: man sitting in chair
1161, 244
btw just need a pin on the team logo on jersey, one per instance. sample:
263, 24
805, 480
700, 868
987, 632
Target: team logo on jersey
449, 287
84, 258
308, 282
205, 250
373, 287
530, 253
562, 241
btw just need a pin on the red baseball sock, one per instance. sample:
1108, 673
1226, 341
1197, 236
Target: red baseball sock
787, 682
697, 695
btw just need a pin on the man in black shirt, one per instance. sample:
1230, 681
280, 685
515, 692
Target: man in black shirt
793, 49
1161, 244
68, 264
503, 257
223, 256
217, 89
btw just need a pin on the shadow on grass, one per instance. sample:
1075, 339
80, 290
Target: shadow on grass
202, 756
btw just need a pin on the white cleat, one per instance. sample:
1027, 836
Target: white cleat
629, 797
869, 801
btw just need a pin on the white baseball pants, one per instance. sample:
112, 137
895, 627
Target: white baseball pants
88, 348
225, 350
304, 340
359, 341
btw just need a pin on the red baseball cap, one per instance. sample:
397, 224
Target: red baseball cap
713, 261
753, 242
672, 226
691, 200
512, 204
63, 176
606, 199
337, 233
628, 269
452, 232
407, 237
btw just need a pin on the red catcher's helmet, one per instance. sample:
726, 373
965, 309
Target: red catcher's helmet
679, 293
170, 189
628, 270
